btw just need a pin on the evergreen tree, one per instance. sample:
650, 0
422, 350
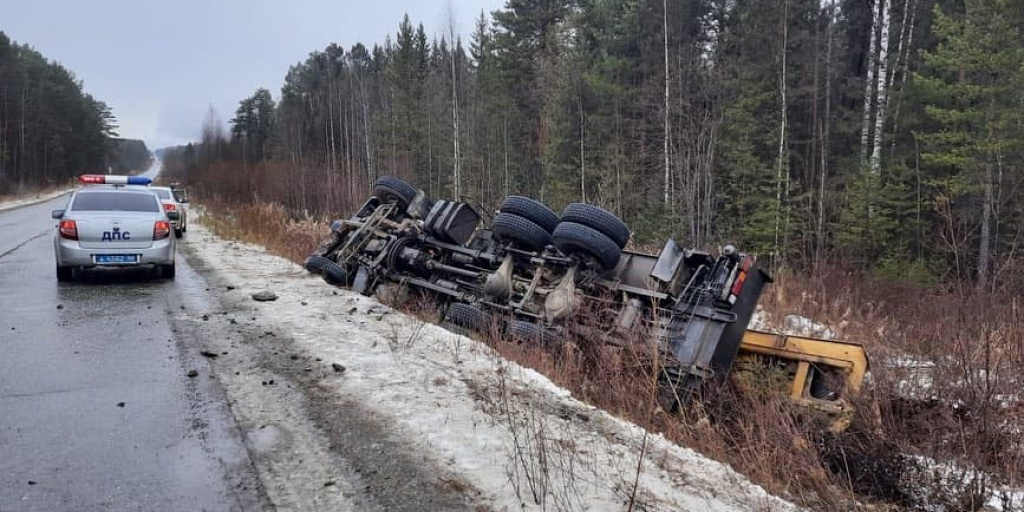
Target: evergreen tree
971, 87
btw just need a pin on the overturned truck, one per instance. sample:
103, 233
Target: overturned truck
529, 272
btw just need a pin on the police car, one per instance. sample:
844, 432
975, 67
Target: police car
116, 223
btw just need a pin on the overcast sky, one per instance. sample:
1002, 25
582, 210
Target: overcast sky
160, 65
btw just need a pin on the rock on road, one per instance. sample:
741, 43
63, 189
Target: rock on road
98, 411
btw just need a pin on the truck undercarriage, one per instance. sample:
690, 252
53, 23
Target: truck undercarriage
530, 272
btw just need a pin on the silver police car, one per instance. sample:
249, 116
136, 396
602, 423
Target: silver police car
108, 227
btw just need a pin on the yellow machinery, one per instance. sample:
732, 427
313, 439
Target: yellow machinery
820, 373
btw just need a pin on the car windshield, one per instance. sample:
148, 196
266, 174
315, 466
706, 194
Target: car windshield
163, 193
114, 201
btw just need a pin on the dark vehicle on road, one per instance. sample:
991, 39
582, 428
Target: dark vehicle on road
530, 271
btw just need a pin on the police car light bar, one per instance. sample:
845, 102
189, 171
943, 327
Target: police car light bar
113, 179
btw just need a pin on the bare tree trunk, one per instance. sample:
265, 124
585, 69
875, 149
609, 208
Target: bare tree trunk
781, 157
666, 140
457, 170
883, 89
869, 83
826, 125
985, 241
583, 161
904, 69
504, 129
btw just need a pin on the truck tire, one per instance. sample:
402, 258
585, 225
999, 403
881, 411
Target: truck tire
531, 210
597, 218
529, 332
521, 231
315, 264
570, 238
391, 189
333, 273
468, 316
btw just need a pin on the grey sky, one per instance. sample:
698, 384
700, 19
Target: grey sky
159, 65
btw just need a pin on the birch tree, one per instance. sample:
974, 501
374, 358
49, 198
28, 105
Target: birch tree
869, 83
883, 88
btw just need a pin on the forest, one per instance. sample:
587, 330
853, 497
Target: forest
881, 135
50, 128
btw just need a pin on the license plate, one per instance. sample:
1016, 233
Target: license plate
116, 258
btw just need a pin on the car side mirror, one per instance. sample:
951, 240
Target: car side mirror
56, 214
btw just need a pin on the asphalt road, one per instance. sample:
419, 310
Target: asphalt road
97, 411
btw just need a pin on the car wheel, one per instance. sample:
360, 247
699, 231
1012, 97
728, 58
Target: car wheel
468, 316
390, 189
531, 210
573, 238
597, 218
167, 271
520, 231
177, 232
64, 273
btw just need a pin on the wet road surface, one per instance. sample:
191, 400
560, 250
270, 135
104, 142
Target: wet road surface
97, 411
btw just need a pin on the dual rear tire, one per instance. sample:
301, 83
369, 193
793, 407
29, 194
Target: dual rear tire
592, 233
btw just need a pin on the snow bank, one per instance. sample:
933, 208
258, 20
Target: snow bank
521, 440
32, 199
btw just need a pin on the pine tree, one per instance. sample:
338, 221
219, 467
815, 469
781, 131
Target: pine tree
971, 88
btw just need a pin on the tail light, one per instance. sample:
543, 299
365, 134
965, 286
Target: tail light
169, 207
68, 229
161, 230
741, 277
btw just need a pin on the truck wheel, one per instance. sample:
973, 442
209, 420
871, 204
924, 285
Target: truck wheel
333, 273
531, 210
64, 273
390, 189
521, 231
597, 218
570, 237
468, 316
529, 332
314, 264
